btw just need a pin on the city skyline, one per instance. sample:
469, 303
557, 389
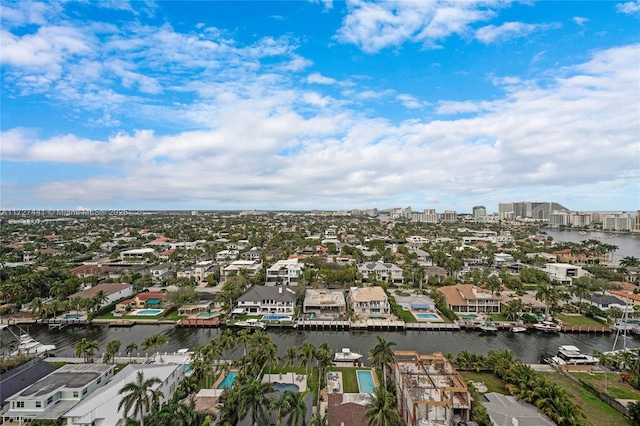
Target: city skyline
319, 105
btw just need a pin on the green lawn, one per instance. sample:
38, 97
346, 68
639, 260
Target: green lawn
498, 317
173, 316
616, 388
493, 383
349, 379
578, 320
595, 410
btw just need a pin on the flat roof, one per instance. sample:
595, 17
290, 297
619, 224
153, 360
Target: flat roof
70, 376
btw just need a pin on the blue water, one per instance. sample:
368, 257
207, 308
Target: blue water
281, 387
427, 316
150, 312
365, 381
275, 317
208, 314
73, 316
227, 382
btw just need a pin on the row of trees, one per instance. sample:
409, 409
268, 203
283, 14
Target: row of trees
87, 348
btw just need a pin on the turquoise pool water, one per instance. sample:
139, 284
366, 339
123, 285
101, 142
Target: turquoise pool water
468, 316
73, 316
427, 316
208, 314
365, 381
281, 387
227, 382
148, 312
276, 317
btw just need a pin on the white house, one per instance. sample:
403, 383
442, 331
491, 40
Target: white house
50, 397
381, 271
251, 266
112, 292
285, 272
101, 408
369, 301
564, 272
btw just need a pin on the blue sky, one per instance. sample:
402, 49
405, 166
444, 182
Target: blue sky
319, 104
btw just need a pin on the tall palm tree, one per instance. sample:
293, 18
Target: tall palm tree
280, 407
381, 355
112, 348
243, 339
131, 348
154, 341
140, 396
307, 352
381, 409
254, 400
297, 411
86, 349
226, 339
319, 420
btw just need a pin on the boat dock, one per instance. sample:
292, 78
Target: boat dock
586, 329
122, 323
203, 323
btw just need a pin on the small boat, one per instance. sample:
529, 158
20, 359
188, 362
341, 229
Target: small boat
487, 327
251, 323
518, 329
346, 355
571, 355
582, 233
547, 326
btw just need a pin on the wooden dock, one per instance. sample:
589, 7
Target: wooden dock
586, 328
203, 323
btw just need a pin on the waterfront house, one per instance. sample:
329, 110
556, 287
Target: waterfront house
507, 410
21, 377
251, 268
429, 388
605, 302
464, 298
161, 272
324, 303
112, 292
346, 410
53, 395
148, 299
193, 309
101, 408
369, 301
268, 300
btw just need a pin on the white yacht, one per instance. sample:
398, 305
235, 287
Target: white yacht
547, 326
251, 323
571, 355
30, 346
346, 355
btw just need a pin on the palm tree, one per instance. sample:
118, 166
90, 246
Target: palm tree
227, 341
86, 349
154, 341
319, 420
280, 406
580, 289
381, 410
112, 348
140, 396
243, 339
297, 408
628, 261
254, 400
381, 355
131, 348
307, 352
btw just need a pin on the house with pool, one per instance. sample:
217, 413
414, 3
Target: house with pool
145, 301
267, 300
112, 292
369, 302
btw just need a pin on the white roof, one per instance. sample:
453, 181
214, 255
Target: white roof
103, 403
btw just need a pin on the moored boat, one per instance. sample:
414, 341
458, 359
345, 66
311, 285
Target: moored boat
487, 327
571, 355
518, 329
547, 326
30, 346
346, 355
251, 323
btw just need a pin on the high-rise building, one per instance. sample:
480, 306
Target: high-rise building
560, 218
580, 220
617, 222
529, 209
479, 212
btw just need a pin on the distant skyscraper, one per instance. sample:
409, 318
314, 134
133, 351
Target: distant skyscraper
479, 212
529, 209
617, 222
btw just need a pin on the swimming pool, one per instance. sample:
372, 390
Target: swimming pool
427, 316
227, 382
365, 381
147, 312
281, 387
73, 316
208, 314
468, 316
276, 317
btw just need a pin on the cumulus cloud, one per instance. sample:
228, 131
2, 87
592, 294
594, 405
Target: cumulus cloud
373, 26
629, 8
318, 78
578, 128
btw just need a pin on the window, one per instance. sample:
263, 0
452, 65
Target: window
76, 394
84, 392
49, 400
38, 404
19, 404
99, 381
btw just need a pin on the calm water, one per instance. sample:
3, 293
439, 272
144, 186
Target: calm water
628, 245
530, 346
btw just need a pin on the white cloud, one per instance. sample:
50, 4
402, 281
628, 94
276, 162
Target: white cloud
373, 26
580, 20
410, 101
630, 7
286, 147
318, 78
507, 31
